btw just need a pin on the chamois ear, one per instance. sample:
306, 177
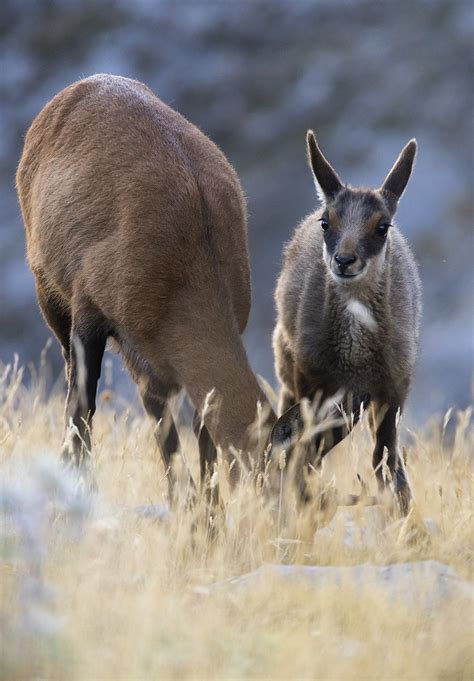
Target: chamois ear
397, 179
325, 177
288, 428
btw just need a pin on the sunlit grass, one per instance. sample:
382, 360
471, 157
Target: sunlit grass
103, 593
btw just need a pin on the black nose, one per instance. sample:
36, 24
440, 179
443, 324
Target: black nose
344, 260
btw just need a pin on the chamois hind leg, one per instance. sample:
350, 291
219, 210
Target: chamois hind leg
88, 339
386, 437
57, 318
207, 460
284, 367
155, 397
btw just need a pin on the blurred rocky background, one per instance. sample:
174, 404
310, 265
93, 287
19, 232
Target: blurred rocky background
254, 75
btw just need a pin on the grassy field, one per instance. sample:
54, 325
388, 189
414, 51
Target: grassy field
94, 590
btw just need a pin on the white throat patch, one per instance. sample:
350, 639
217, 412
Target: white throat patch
362, 313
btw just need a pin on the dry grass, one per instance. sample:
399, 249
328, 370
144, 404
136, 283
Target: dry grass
117, 598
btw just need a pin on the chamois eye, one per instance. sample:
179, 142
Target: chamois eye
382, 229
324, 224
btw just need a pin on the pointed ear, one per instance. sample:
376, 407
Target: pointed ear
397, 179
325, 177
288, 427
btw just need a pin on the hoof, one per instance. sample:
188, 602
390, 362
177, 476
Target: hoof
80, 467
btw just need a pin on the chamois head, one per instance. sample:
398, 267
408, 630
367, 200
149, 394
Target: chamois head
356, 222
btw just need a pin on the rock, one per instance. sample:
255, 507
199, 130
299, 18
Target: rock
419, 584
158, 512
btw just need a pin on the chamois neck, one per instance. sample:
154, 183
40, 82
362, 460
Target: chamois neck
364, 291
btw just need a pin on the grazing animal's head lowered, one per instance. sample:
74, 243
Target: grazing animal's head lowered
356, 222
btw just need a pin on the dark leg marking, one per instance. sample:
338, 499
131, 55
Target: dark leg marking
85, 360
386, 437
155, 401
207, 459
57, 318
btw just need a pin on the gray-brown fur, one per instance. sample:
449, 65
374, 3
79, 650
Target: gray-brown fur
136, 233
359, 333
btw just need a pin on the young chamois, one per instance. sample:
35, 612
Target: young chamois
349, 305
136, 232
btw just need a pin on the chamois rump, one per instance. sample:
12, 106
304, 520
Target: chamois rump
349, 304
136, 231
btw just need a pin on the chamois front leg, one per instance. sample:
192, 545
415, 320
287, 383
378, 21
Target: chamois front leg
305, 451
155, 400
207, 460
386, 437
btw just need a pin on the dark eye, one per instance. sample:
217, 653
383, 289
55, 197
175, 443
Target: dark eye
382, 229
324, 224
